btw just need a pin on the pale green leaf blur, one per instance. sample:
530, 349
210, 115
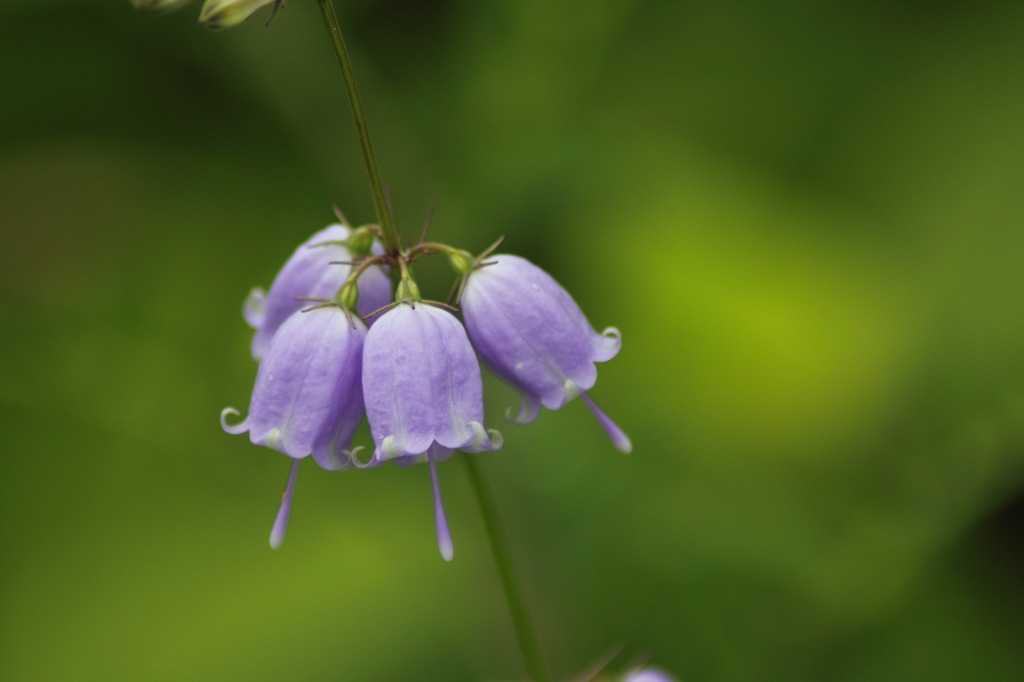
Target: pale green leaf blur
807, 219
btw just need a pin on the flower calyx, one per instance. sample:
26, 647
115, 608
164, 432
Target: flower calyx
460, 260
407, 291
347, 296
359, 242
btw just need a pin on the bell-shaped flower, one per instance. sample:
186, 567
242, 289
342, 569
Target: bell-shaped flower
529, 331
308, 397
316, 270
423, 394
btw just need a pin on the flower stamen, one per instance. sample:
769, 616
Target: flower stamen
444, 536
618, 437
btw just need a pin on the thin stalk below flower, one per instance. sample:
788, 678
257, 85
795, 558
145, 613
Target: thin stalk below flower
529, 645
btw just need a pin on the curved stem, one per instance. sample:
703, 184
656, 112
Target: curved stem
390, 237
528, 643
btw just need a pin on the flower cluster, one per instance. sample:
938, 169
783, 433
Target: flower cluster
335, 345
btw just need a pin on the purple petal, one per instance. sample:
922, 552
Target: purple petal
308, 393
313, 271
529, 331
306, 274
421, 384
374, 291
285, 510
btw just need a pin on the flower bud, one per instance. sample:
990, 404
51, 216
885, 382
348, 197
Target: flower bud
221, 14
461, 261
158, 6
408, 290
348, 295
360, 242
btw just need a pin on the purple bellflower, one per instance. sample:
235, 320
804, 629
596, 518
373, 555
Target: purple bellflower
529, 331
424, 394
308, 397
315, 270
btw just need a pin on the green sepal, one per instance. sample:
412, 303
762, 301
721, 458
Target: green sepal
348, 295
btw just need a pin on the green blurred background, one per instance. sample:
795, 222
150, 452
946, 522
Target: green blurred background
806, 218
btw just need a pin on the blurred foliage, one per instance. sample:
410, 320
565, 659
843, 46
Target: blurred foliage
805, 218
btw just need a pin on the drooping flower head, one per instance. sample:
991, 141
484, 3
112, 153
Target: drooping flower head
529, 331
315, 270
423, 393
308, 397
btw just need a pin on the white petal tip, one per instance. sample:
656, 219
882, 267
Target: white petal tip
447, 551
483, 439
529, 408
607, 344
343, 459
388, 449
275, 540
238, 428
255, 308
571, 390
272, 440
373, 460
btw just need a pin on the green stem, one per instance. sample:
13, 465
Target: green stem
387, 226
528, 643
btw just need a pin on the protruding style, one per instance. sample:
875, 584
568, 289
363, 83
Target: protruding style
284, 512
